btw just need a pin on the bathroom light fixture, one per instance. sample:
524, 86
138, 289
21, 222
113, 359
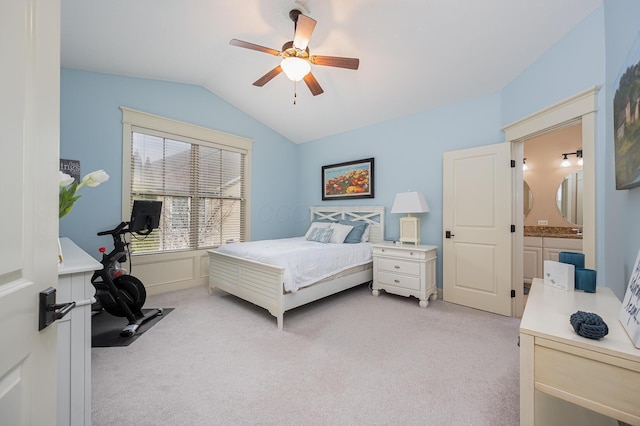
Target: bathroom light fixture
565, 160
524, 165
410, 202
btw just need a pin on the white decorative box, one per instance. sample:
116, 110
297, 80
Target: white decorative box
559, 275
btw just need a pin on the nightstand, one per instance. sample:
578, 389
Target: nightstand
405, 270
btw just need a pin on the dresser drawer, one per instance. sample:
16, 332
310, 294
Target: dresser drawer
400, 253
397, 280
395, 265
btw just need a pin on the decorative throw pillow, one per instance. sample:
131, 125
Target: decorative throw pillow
316, 225
365, 234
340, 232
320, 235
355, 236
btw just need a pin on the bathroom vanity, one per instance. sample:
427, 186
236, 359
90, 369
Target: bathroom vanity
539, 247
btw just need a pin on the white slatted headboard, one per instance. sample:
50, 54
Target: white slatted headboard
374, 215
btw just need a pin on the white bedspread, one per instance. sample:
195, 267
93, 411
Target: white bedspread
304, 262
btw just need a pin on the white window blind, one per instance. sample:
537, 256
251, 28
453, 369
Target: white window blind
201, 186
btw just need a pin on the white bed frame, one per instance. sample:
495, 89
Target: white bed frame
262, 284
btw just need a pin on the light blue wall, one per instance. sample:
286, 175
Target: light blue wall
591, 55
91, 131
622, 237
407, 151
574, 64
408, 155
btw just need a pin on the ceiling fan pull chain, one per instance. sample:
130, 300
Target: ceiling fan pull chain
295, 93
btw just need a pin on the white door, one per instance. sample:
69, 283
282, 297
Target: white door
477, 224
29, 127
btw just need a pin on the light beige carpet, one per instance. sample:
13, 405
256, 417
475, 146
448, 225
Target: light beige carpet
350, 359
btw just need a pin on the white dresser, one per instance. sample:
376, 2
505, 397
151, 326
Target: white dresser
569, 379
406, 270
74, 335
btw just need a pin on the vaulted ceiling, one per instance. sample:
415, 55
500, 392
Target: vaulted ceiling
414, 54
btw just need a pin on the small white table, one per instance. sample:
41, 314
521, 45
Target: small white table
406, 270
600, 375
74, 335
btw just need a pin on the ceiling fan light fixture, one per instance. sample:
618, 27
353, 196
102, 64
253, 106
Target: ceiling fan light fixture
295, 68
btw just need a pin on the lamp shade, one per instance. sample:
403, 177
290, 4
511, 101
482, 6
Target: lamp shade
409, 202
295, 68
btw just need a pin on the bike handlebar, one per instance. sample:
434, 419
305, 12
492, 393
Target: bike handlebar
120, 229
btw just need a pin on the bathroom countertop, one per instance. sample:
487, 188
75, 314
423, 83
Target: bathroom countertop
553, 231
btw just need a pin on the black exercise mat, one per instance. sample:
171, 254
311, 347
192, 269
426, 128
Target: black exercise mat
106, 328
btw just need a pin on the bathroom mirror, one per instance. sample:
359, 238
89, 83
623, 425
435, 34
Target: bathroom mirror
527, 197
569, 198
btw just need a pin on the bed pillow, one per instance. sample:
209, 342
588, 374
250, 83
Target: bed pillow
320, 235
340, 232
355, 236
316, 225
365, 234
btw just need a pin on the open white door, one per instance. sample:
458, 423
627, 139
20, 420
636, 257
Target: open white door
477, 225
30, 129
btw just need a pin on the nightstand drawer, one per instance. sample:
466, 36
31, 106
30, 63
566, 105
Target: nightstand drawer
395, 266
397, 280
397, 252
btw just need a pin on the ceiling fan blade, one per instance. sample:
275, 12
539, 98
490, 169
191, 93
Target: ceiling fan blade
304, 28
313, 85
247, 45
268, 76
335, 61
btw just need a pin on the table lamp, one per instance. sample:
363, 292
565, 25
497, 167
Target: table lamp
410, 202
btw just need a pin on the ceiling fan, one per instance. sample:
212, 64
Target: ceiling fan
296, 60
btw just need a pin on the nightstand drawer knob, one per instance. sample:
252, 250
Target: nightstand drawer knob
397, 266
396, 281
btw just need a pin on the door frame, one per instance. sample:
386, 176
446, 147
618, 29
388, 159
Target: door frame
580, 108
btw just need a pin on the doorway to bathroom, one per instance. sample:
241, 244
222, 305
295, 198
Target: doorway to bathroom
578, 110
552, 198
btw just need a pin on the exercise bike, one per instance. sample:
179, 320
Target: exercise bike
117, 292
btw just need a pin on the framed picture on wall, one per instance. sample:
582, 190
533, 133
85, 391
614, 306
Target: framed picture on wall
349, 180
626, 120
71, 167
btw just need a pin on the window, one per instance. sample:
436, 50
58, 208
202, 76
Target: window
200, 176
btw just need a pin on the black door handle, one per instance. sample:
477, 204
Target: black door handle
49, 310
448, 234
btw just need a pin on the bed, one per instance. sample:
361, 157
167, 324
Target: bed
263, 283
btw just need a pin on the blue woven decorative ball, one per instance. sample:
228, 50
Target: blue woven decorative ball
589, 325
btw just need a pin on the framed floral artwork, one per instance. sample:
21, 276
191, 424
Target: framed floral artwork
349, 180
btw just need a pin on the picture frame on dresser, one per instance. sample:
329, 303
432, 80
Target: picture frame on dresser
629, 313
349, 180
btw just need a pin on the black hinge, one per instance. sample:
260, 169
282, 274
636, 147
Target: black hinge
513, 163
513, 228
513, 293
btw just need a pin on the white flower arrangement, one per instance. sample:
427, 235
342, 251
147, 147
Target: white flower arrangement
69, 187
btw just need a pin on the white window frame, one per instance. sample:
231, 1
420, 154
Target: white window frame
133, 120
